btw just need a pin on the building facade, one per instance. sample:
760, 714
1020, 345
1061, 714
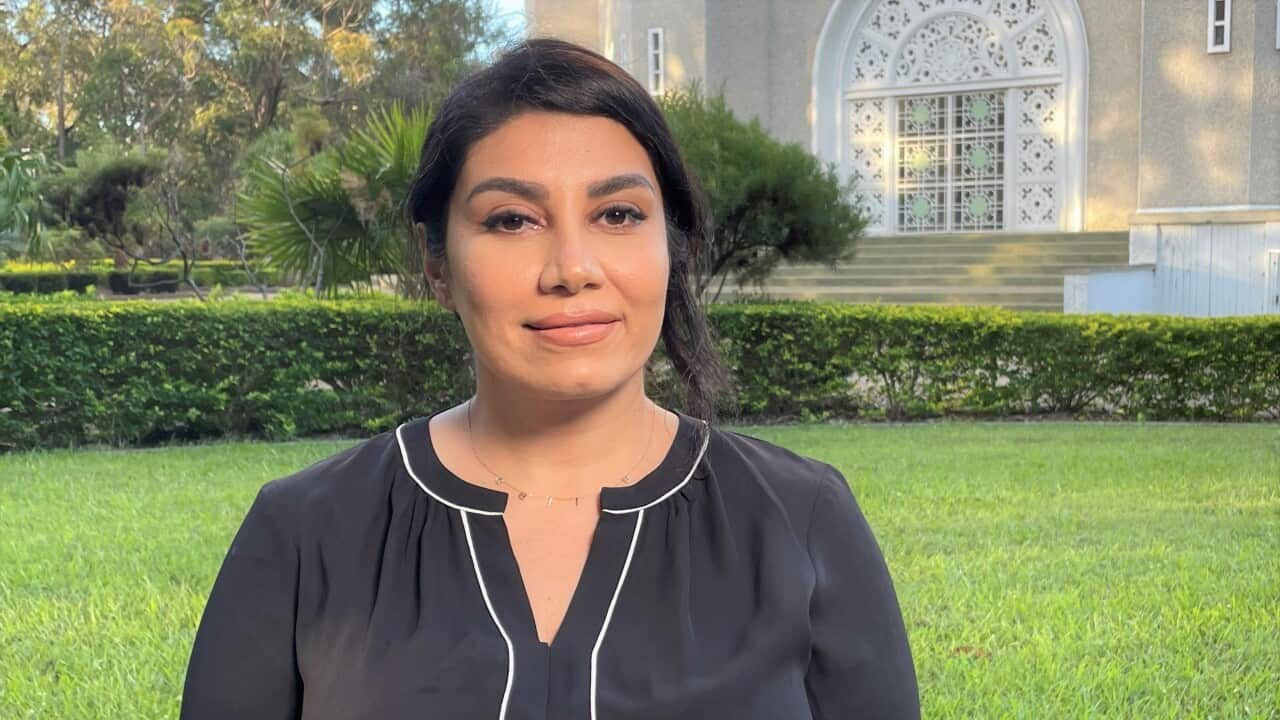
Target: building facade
1156, 117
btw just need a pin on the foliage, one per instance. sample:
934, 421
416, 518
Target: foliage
334, 217
69, 243
20, 171
85, 295
138, 371
13, 266
427, 46
770, 201
96, 193
50, 278
138, 204
204, 81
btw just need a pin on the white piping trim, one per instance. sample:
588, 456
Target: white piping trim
484, 591
404, 455
595, 651
706, 438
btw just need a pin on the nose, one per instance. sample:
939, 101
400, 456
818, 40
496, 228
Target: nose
571, 262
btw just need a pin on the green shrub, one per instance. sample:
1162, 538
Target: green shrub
165, 277
45, 281
141, 371
143, 280
84, 295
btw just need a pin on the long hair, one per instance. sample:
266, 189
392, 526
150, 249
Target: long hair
558, 76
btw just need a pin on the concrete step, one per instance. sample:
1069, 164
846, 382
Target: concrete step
855, 273
1018, 257
917, 293
959, 278
1043, 250
1040, 263
1009, 303
1117, 238
974, 270
1018, 271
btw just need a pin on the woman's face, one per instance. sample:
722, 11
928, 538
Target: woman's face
557, 213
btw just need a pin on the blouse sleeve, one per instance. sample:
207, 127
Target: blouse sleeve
860, 665
243, 663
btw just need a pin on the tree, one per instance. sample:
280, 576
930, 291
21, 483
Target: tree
100, 194
425, 46
141, 85
770, 201
44, 46
202, 80
334, 217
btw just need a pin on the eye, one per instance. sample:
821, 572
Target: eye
616, 215
508, 221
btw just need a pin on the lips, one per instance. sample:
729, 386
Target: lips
560, 320
568, 329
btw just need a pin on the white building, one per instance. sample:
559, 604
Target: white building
990, 121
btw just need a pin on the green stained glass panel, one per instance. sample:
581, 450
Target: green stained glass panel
979, 158
921, 207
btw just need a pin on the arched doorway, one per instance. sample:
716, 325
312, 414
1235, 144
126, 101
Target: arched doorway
956, 115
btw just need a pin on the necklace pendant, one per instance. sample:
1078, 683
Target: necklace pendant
549, 498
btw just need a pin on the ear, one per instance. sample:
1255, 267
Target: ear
435, 270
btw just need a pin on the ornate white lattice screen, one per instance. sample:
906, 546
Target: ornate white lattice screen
954, 115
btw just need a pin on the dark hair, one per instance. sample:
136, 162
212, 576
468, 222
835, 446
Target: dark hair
558, 76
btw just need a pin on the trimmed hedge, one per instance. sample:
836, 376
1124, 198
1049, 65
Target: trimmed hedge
147, 279
45, 283
138, 372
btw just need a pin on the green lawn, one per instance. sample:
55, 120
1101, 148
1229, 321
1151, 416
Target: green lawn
1046, 570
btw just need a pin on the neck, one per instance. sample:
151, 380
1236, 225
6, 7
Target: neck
568, 446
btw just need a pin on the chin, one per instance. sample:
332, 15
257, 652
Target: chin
578, 380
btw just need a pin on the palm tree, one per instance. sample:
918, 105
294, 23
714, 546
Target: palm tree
335, 218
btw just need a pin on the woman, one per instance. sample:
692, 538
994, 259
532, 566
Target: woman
558, 546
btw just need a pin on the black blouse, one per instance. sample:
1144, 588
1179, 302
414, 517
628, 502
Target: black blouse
738, 580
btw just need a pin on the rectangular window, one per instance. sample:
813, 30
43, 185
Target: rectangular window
1219, 26
656, 53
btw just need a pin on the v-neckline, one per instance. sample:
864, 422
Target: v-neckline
607, 553
610, 546
585, 614
575, 598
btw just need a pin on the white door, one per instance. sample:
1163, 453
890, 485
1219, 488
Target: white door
950, 160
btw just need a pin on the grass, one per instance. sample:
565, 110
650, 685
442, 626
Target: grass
1046, 570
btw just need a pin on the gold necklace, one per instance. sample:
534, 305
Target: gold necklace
521, 494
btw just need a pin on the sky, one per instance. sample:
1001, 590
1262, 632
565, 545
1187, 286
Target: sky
510, 11
513, 12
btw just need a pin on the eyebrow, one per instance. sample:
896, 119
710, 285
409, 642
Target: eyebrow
538, 192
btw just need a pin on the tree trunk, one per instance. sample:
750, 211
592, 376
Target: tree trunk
62, 88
